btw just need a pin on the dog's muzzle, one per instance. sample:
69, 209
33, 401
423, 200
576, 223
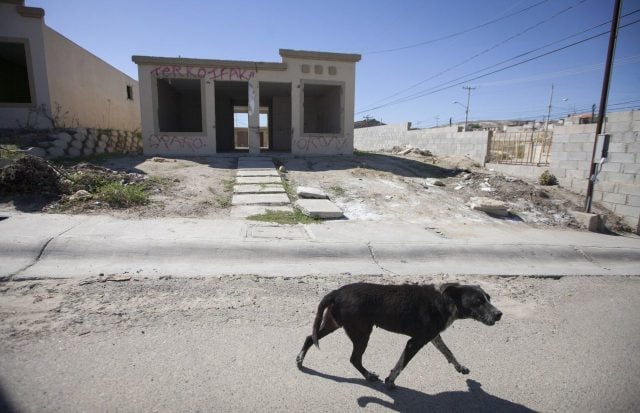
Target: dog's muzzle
493, 318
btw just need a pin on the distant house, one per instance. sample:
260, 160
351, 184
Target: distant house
44, 76
305, 102
367, 123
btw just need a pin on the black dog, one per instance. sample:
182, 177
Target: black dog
421, 312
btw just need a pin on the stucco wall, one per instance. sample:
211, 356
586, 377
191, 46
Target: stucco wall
618, 185
13, 26
290, 71
94, 92
440, 141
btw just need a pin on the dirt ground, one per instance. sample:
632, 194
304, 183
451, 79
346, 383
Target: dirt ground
366, 186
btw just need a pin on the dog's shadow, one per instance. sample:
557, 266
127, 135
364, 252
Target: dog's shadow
408, 400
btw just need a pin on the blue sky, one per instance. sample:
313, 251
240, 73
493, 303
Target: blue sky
255, 30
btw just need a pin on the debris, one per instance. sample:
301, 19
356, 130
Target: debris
81, 194
116, 278
282, 169
158, 159
489, 205
309, 192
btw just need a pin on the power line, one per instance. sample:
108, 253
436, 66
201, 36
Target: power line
440, 87
367, 107
449, 36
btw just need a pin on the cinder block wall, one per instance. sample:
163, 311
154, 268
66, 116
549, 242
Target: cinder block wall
440, 141
618, 185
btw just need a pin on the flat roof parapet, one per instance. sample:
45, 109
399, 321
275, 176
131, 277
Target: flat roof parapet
184, 61
308, 54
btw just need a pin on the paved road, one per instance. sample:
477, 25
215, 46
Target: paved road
229, 344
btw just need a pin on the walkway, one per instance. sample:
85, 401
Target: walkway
258, 187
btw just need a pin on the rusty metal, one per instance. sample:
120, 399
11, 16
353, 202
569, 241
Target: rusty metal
521, 148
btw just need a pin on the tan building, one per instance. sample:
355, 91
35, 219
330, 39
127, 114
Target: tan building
44, 76
188, 106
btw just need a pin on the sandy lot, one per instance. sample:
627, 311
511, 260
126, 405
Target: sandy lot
366, 186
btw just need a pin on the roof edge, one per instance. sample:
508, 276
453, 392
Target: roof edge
35, 12
308, 54
243, 64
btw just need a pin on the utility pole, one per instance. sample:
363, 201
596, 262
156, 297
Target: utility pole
546, 125
603, 101
437, 119
466, 114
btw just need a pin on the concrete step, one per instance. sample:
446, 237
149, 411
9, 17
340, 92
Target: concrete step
258, 189
260, 199
257, 172
241, 180
243, 211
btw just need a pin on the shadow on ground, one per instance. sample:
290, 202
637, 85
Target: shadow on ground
409, 400
368, 161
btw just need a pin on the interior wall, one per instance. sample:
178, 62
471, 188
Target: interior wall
167, 107
224, 123
281, 123
179, 109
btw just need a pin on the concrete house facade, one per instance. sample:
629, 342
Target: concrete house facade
44, 75
188, 105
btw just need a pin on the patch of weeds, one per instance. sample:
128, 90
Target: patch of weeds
227, 185
10, 152
155, 181
118, 195
89, 181
95, 159
284, 217
223, 201
360, 153
338, 191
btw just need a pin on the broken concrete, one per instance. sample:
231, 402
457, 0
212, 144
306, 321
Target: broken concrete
319, 208
309, 192
592, 222
243, 211
489, 205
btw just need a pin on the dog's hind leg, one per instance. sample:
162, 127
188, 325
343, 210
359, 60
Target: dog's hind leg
360, 338
439, 344
329, 325
411, 349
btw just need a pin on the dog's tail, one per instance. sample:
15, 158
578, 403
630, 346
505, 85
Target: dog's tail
324, 303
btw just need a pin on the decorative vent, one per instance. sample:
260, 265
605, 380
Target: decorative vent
332, 70
317, 69
305, 68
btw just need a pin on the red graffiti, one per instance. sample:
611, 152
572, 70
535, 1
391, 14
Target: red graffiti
212, 73
169, 142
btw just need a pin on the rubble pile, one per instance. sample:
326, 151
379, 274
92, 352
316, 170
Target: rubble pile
31, 174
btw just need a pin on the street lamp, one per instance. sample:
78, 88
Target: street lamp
466, 111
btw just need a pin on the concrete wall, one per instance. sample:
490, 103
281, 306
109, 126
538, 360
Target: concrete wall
297, 69
618, 186
94, 92
440, 141
27, 27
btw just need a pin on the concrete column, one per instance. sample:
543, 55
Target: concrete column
296, 114
254, 117
210, 116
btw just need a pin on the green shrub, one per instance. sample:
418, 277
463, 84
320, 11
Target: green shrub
547, 179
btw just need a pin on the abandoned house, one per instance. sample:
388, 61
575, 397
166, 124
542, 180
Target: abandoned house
302, 105
45, 76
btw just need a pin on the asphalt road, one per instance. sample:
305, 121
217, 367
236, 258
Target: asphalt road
229, 344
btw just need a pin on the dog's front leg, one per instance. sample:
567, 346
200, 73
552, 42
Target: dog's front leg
413, 346
439, 344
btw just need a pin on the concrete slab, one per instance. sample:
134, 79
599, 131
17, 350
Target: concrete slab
313, 193
260, 199
243, 211
243, 180
257, 172
258, 189
592, 222
274, 231
263, 163
319, 208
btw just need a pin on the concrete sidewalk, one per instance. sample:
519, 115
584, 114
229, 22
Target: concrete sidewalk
66, 246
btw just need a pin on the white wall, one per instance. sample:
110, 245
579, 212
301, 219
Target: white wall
13, 26
93, 91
